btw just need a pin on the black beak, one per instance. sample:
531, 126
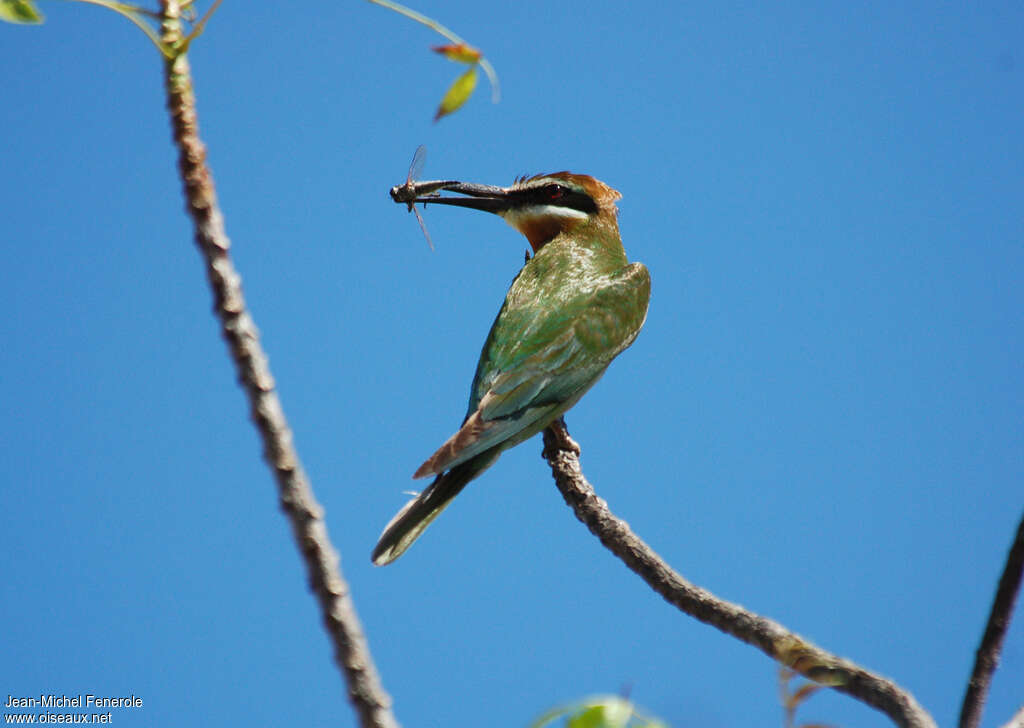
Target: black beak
479, 197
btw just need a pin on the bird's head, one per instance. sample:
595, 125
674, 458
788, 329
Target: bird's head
540, 207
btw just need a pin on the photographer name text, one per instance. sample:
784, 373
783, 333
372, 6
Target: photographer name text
73, 701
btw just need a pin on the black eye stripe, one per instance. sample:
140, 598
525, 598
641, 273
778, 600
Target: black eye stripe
560, 196
579, 201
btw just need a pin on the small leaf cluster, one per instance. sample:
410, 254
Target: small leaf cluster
598, 711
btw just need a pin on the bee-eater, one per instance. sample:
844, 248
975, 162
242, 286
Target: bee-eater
575, 306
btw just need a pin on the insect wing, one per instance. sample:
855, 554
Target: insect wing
415, 170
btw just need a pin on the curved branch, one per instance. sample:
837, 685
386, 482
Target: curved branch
352, 654
492, 75
987, 657
770, 637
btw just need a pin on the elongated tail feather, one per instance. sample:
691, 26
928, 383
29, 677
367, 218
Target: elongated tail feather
417, 514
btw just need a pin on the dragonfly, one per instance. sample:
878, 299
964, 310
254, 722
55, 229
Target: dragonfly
412, 189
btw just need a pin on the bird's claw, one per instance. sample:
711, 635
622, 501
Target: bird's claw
556, 439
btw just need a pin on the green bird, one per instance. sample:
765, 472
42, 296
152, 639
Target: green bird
575, 306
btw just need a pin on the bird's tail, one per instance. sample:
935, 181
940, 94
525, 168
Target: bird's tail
417, 514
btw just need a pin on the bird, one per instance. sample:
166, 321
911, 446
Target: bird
575, 305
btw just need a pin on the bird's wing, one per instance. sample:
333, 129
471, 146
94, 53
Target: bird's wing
540, 359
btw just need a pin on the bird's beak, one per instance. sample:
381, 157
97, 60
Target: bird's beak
478, 197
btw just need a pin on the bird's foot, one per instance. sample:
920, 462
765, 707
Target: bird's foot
556, 437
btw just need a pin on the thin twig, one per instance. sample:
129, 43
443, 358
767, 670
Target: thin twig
132, 13
352, 654
987, 657
492, 75
770, 637
420, 18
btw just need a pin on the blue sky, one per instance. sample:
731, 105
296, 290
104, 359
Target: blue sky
821, 420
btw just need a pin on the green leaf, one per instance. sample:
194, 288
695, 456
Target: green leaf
458, 93
608, 711
592, 717
599, 711
20, 11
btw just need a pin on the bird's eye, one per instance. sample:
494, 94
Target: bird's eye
554, 192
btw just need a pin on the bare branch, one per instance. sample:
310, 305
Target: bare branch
987, 657
770, 637
352, 654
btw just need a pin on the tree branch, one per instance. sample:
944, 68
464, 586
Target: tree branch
352, 654
770, 637
987, 657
